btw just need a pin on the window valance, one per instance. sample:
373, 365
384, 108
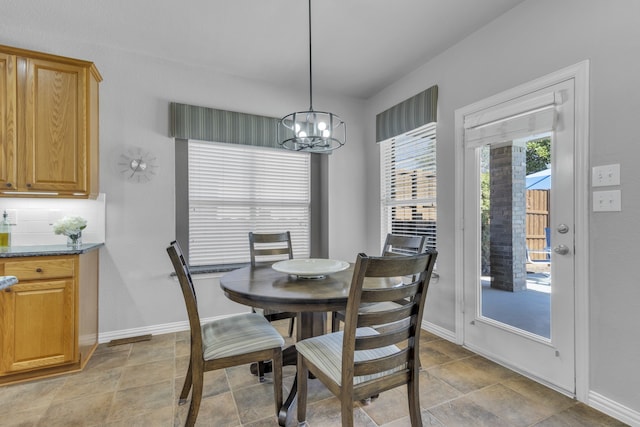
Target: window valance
410, 114
210, 124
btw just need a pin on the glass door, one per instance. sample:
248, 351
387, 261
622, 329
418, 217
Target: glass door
518, 235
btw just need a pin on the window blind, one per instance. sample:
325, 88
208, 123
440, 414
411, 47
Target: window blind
234, 189
408, 184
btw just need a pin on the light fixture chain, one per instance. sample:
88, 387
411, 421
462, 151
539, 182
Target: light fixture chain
310, 67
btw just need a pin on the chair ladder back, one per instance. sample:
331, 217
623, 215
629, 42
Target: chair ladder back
395, 245
188, 291
384, 339
269, 245
401, 324
382, 317
381, 364
402, 291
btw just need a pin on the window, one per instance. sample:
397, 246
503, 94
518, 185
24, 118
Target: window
234, 189
408, 184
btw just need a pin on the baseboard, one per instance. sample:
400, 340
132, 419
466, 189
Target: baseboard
439, 331
614, 409
165, 328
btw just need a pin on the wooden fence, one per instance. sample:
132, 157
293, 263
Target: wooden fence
537, 222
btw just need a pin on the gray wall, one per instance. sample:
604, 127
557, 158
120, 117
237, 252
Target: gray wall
136, 292
536, 38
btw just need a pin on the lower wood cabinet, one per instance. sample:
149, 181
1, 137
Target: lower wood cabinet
50, 318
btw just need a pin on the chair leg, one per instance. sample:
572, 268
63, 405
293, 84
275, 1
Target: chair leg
346, 408
302, 376
413, 391
196, 397
188, 380
261, 371
277, 379
335, 322
291, 322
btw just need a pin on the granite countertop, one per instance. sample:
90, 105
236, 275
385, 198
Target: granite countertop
47, 250
6, 281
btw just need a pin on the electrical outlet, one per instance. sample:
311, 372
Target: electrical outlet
602, 176
607, 201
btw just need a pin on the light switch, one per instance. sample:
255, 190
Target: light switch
607, 201
602, 176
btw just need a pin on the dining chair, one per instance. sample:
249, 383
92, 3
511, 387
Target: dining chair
394, 245
362, 361
271, 247
230, 341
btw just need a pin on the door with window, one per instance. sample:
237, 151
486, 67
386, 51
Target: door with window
518, 230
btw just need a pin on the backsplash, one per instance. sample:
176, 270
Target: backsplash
33, 219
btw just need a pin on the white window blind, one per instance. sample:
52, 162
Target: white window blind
234, 189
408, 184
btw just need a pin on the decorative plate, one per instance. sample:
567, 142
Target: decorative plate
312, 268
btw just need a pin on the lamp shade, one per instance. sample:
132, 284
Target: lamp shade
312, 131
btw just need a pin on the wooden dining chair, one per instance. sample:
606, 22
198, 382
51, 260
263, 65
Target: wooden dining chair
268, 248
394, 245
362, 361
231, 341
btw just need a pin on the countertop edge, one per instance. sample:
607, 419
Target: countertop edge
7, 281
47, 250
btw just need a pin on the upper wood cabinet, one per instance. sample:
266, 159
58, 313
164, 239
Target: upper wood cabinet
49, 126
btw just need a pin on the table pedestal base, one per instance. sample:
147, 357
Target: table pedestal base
309, 325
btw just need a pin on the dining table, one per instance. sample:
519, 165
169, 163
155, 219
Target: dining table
264, 287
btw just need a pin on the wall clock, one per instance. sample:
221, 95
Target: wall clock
137, 165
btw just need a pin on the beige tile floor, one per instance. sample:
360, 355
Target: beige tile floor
137, 385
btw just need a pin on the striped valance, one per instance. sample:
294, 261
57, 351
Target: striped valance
408, 115
210, 124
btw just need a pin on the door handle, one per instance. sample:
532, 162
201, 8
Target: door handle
561, 249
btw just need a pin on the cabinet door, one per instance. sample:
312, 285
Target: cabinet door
38, 325
55, 110
8, 124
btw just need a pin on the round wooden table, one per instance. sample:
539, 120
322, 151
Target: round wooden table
263, 287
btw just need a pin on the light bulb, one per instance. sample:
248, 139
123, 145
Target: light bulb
326, 133
302, 134
322, 125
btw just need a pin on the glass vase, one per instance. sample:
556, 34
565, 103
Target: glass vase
74, 240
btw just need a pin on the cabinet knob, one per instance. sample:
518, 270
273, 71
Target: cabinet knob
9, 185
7, 289
38, 270
29, 185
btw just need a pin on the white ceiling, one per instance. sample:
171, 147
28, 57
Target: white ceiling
359, 46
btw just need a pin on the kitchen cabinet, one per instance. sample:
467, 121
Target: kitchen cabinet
49, 128
50, 317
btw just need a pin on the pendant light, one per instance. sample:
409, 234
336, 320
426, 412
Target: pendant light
311, 131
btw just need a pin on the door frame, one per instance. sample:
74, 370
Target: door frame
580, 74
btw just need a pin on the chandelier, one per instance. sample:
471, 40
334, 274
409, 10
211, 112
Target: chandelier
311, 131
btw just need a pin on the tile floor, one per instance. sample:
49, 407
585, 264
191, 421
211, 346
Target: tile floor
138, 384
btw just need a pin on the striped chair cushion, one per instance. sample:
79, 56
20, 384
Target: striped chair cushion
238, 334
325, 351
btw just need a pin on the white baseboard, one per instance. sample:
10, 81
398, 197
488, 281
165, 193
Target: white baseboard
614, 409
165, 328
439, 331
